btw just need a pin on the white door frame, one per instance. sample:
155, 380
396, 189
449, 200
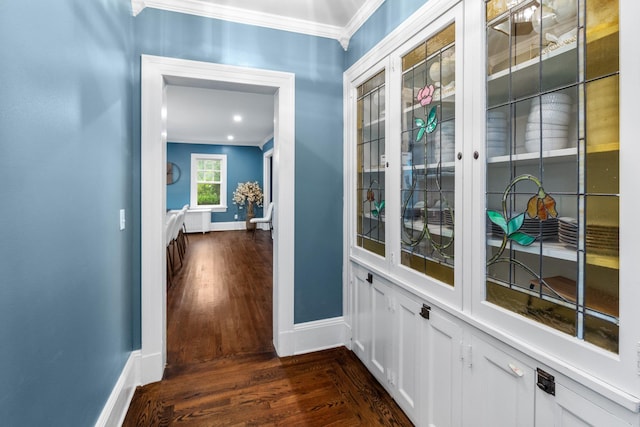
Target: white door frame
155, 71
266, 178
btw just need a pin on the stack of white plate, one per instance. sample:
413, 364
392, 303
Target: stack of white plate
541, 230
496, 133
568, 231
444, 142
549, 116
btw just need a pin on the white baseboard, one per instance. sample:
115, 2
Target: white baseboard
319, 335
151, 368
233, 226
117, 405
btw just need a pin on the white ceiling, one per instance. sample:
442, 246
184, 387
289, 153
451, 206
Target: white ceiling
201, 112
328, 12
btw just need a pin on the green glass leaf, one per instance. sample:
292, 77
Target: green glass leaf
432, 120
515, 223
498, 219
420, 134
374, 212
419, 122
522, 238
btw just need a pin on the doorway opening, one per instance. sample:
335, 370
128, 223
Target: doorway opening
156, 72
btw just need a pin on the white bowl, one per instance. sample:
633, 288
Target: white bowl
546, 134
562, 108
554, 98
531, 126
549, 117
533, 145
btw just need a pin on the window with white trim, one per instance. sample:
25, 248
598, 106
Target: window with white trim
209, 181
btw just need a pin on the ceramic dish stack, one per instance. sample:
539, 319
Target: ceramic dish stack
541, 230
549, 115
568, 231
496, 133
444, 142
602, 238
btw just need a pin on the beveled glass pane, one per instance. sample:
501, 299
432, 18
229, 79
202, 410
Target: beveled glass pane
552, 190
370, 230
497, 7
414, 57
441, 40
603, 218
602, 48
559, 55
208, 176
208, 164
602, 173
546, 312
525, 42
602, 333
428, 145
602, 115
372, 83
602, 286
498, 132
216, 176
498, 39
200, 176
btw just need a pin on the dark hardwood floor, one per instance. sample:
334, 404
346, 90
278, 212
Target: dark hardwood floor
221, 366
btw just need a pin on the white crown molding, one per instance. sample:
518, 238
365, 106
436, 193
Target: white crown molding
267, 139
137, 6
244, 16
261, 19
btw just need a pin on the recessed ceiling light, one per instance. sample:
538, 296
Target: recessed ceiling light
237, 118
230, 137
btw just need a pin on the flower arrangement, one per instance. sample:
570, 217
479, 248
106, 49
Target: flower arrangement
248, 192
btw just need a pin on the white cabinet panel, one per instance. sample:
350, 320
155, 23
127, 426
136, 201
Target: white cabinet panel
440, 371
568, 409
502, 387
380, 331
407, 322
361, 332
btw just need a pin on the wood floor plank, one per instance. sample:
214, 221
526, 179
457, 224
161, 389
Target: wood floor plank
222, 369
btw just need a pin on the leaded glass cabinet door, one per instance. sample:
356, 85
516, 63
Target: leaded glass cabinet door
552, 172
371, 165
428, 119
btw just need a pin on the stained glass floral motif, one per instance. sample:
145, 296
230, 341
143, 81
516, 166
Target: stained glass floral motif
424, 97
541, 206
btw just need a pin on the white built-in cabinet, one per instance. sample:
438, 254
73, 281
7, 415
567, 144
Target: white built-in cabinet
464, 302
416, 359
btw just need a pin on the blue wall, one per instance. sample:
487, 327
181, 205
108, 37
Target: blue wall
268, 145
243, 164
388, 16
66, 141
318, 65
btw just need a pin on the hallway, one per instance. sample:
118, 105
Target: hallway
221, 365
